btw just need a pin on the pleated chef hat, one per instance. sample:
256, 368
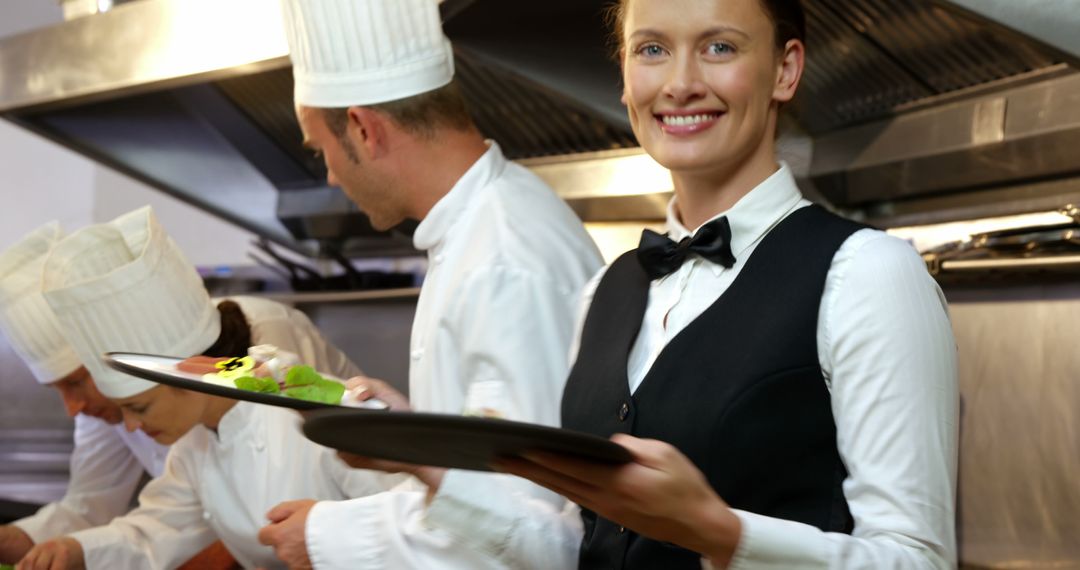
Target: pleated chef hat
126, 286
365, 52
25, 318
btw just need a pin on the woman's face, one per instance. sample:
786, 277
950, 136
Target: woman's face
702, 80
164, 413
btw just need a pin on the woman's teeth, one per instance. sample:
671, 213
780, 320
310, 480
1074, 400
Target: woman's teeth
686, 120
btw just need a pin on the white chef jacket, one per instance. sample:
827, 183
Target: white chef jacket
507, 261
107, 464
220, 485
889, 360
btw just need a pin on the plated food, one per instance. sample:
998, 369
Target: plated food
267, 370
265, 376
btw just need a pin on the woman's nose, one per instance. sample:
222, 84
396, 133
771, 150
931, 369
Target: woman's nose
130, 423
685, 82
73, 406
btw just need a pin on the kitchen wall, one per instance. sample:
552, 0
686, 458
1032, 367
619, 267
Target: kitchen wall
41, 181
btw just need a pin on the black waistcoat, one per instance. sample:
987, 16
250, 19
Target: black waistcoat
739, 391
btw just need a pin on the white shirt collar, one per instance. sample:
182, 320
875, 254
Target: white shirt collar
753, 215
434, 228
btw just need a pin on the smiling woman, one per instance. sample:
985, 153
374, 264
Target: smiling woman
784, 378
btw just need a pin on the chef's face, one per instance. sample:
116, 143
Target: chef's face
163, 412
81, 396
703, 80
358, 178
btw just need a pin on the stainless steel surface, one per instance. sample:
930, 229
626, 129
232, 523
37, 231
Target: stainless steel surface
608, 186
1054, 22
868, 57
304, 299
215, 72
1022, 198
1059, 262
138, 47
1019, 135
1019, 501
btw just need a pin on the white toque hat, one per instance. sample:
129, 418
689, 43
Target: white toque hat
125, 286
25, 318
365, 52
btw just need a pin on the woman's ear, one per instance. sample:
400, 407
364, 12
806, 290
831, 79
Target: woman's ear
789, 71
368, 130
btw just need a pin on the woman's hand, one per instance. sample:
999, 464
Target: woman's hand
64, 553
660, 494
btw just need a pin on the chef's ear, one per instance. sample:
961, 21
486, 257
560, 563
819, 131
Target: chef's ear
369, 131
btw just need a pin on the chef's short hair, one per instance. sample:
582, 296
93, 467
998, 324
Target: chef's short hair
421, 115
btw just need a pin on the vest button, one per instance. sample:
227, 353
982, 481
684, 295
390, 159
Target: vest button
624, 410
622, 529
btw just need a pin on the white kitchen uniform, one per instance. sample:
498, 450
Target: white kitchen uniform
507, 261
220, 485
107, 464
889, 359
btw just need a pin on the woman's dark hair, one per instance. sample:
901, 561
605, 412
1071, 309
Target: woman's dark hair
235, 337
789, 21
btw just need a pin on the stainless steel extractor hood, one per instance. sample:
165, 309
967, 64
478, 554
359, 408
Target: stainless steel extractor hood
195, 97
910, 108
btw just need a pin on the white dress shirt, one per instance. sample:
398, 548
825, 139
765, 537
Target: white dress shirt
889, 360
107, 464
220, 484
507, 260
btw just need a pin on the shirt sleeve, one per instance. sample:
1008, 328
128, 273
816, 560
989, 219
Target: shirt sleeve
104, 477
163, 532
480, 520
492, 333
889, 357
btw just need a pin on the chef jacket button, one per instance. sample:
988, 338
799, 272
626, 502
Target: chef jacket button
624, 410
206, 515
259, 446
416, 354
440, 258
622, 529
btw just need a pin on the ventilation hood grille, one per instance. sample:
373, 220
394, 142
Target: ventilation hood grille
195, 97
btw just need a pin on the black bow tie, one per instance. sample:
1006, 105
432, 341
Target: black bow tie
660, 256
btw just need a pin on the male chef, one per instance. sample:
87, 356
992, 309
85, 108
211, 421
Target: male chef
375, 96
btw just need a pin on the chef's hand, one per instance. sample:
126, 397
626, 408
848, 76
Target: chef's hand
373, 388
14, 544
285, 533
660, 494
430, 476
64, 553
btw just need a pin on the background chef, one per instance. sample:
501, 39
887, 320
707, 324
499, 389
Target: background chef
126, 286
107, 462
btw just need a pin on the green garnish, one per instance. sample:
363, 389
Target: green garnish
301, 382
302, 376
325, 391
261, 385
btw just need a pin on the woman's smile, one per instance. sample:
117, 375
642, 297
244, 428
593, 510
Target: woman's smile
686, 122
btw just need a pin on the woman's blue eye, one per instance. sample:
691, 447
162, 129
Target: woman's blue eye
720, 48
651, 50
